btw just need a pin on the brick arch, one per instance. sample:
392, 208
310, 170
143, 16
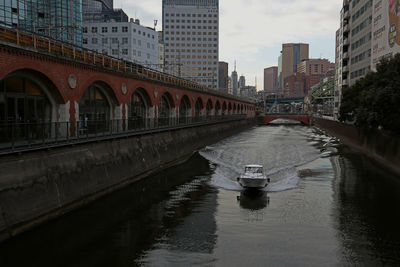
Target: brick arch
185, 96
209, 101
51, 89
170, 98
145, 95
107, 83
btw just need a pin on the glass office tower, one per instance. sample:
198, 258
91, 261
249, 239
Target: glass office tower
58, 19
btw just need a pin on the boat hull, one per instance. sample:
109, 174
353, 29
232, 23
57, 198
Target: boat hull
253, 182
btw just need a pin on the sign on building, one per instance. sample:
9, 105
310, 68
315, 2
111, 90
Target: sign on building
385, 30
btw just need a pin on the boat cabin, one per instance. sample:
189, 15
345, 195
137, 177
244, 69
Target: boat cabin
253, 169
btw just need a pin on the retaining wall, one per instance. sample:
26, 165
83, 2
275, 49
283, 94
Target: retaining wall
379, 145
35, 187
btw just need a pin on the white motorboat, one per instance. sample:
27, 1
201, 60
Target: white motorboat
253, 177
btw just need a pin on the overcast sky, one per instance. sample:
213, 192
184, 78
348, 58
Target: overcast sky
252, 31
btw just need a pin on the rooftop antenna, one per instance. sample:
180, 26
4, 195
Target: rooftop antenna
235, 64
155, 24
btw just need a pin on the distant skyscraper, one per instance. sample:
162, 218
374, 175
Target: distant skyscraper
223, 76
242, 81
271, 80
234, 77
191, 30
292, 55
58, 19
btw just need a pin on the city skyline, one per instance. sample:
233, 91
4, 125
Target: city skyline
251, 43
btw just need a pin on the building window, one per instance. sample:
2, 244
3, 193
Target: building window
84, 29
114, 52
94, 29
125, 51
104, 29
105, 40
94, 40
84, 41
139, 42
124, 29
139, 53
124, 40
114, 40
114, 29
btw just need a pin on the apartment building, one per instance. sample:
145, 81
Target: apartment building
125, 40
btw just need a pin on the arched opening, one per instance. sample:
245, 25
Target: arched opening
229, 109
138, 109
224, 109
234, 108
26, 110
164, 110
208, 109
184, 110
217, 108
198, 109
95, 109
241, 109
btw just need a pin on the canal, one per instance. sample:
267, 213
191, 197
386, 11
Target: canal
325, 206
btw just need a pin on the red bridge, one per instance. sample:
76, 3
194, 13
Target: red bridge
303, 118
45, 81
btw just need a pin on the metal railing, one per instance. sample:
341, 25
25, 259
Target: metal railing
69, 51
20, 137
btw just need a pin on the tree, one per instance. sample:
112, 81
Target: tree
374, 101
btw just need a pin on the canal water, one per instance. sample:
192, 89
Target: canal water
325, 206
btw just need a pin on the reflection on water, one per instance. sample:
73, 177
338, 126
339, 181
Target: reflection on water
325, 206
253, 199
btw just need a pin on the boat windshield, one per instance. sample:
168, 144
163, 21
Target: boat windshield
253, 169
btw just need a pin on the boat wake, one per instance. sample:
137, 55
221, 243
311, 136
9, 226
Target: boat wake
281, 156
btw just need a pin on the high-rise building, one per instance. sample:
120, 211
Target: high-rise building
58, 19
242, 81
292, 55
354, 43
235, 83
191, 37
271, 80
126, 40
223, 76
280, 85
161, 48
102, 11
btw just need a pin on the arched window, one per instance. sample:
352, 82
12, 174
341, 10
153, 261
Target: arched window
208, 109
198, 109
94, 110
22, 101
184, 110
138, 108
217, 108
224, 109
25, 110
164, 111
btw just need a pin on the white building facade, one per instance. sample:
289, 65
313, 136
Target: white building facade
124, 40
191, 38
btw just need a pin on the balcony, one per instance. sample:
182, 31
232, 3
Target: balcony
346, 14
346, 28
345, 69
346, 41
345, 82
345, 55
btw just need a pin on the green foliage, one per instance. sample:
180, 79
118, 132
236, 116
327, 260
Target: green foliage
374, 101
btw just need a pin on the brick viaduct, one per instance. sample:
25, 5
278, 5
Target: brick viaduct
65, 81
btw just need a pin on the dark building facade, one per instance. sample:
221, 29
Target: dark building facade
223, 77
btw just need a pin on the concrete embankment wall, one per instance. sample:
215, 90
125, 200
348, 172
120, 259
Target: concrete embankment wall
35, 187
378, 145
